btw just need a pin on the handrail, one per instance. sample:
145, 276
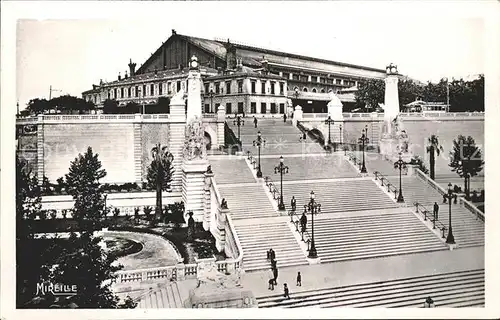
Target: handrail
292, 214
466, 204
239, 260
471, 207
388, 184
424, 211
272, 188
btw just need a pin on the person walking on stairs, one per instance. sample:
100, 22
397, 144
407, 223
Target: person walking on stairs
275, 275
299, 279
436, 210
293, 203
286, 292
272, 255
255, 121
271, 280
303, 222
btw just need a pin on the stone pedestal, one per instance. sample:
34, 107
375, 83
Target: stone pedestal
389, 147
193, 187
215, 297
208, 201
335, 108
297, 115
220, 231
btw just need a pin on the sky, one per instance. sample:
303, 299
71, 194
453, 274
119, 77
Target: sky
72, 52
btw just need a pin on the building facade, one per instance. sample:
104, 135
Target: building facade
241, 78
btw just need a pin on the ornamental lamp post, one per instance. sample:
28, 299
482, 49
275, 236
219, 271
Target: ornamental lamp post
314, 208
281, 169
363, 140
329, 121
259, 143
400, 164
340, 128
238, 121
162, 157
450, 239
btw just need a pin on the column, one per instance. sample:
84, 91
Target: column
208, 201
176, 137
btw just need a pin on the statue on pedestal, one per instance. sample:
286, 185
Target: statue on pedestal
194, 144
190, 231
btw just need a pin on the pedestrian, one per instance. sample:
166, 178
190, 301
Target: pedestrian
268, 255
284, 117
303, 222
285, 289
255, 121
436, 210
293, 203
304, 136
275, 274
273, 263
272, 254
299, 280
271, 280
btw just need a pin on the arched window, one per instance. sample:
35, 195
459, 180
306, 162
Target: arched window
330, 91
322, 90
295, 88
314, 90
305, 89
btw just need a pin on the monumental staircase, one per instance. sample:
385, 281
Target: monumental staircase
257, 239
455, 289
230, 170
369, 236
247, 201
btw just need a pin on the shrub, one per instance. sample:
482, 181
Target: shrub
116, 212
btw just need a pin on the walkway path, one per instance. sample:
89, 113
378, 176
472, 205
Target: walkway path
369, 270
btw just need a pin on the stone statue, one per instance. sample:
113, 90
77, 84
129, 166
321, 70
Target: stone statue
190, 230
178, 98
194, 144
208, 275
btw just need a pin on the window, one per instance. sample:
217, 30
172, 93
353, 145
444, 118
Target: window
314, 90
305, 89
282, 88
121, 92
217, 105
152, 90
273, 107
144, 90
228, 87
169, 91
282, 108
263, 87
207, 108
160, 89
338, 81
114, 93
228, 108
329, 81
136, 91
178, 86
253, 107
129, 93
217, 87
272, 87
240, 86
303, 78
286, 75
109, 94
253, 86
296, 77
322, 90
240, 107
206, 88
263, 107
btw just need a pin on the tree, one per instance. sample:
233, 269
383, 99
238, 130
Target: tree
408, 91
82, 183
110, 106
420, 164
71, 104
370, 93
159, 174
466, 160
84, 263
37, 106
433, 148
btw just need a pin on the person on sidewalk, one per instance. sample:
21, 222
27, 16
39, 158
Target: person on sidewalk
436, 210
273, 263
271, 280
284, 118
275, 275
299, 279
255, 121
285, 289
293, 203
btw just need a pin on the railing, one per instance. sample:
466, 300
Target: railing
383, 179
426, 213
272, 188
230, 139
472, 208
307, 238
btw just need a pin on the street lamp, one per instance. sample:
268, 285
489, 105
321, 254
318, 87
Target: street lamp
364, 139
314, 208
281, 169
429, 303
211, 95
329, 122
450, 239
162, 158
238, 121
259, 143
400, 164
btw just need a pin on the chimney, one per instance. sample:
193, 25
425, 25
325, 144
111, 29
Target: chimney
131, 67
100, 82
126, 75
119, 76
